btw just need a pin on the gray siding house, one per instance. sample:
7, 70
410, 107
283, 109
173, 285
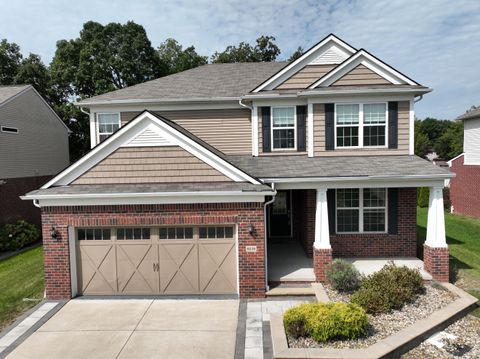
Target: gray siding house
33, 148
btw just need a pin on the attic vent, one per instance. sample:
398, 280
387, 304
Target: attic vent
7, 129
149, 137
332, 56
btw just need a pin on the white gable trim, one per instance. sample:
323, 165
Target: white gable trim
363, 58
323, 46
128, 133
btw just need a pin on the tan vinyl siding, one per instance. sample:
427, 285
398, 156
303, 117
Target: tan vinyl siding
359, 76
305, 77
40, 148
151, 165
228, 130
403, 135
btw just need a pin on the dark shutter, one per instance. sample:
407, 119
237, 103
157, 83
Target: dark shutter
392, 210
392, 124
331, 210
266, 137
301, 128
329, 126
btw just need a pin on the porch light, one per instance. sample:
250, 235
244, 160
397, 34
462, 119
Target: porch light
53, 233
251, 229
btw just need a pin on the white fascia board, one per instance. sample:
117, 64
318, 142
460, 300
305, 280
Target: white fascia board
454, 158
303, 60
178, 101
148, 198
159, 107
134, 128
363, 57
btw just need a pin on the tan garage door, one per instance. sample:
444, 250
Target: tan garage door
165, 260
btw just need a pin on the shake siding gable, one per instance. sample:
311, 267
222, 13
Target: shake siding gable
150, 165
228, 130
361, 75
305, 77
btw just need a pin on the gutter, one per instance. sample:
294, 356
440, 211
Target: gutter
157, 101
359, 178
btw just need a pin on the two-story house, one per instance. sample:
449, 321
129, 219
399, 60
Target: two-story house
217, 179
464, 188
33, 148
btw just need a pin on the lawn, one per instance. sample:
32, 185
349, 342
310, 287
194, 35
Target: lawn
21, 277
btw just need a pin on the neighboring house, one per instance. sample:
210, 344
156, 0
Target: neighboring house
212, 180
465, 187
33, 148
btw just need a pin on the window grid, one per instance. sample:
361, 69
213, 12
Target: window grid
368, 129
366, 210
175, 233
134, 233
107, 124
283, 128
94, 234
220, 232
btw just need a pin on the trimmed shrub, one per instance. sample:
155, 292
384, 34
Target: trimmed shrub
326, 321
343, 276
16, 236
423, 194
388, 289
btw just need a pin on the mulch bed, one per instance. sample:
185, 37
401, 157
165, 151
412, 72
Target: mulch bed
383, 325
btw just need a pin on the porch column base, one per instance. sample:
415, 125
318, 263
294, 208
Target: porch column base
435, 262
322, 257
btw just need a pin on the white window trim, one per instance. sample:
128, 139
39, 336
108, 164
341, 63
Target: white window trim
97, 127
294, 127
16, 132
361, 125
360, 214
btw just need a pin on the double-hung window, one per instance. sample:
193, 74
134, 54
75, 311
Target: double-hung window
361, 210
361, 125
108, 123
283, 128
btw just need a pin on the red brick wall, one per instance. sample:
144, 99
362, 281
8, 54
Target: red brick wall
12, 208
321, 259
303, 208
56, 252
403, 244
435, 262
465, 188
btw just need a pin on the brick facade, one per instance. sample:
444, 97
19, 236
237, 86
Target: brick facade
465, 188
435, 262
303, 209
321, 259
56, 251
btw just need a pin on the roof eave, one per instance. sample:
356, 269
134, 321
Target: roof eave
85, 103
358, 178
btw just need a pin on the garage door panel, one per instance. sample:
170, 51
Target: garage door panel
178, 268
98, 271
217, 268
135, 268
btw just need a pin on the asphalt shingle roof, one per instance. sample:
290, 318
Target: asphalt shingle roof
472, 113
352, 166
7, 92
204, 82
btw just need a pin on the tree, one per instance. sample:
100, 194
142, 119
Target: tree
265, 50
10, 58
173, 58
104, 58
450, 143
422, 142
434, 128
298, 52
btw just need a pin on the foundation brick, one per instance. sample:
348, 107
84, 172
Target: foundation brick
436, 262
321, 259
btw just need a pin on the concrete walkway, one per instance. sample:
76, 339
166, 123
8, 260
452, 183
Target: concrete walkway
136, 328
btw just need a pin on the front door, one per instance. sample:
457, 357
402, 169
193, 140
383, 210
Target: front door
280, 221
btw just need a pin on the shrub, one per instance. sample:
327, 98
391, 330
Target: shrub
343, 276
388, 289
18, 235
423, 194
326, 321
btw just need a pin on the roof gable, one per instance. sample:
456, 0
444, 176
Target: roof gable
146, 130
361, 75
330, 50
366, 60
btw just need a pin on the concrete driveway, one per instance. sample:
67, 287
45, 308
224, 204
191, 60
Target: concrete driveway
136, 328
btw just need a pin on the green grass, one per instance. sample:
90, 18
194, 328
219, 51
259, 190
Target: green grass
21, 277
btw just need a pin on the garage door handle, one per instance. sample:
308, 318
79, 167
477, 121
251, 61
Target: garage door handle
156, 267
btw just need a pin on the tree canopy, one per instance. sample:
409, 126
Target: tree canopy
173, 58
443, 136
265, 50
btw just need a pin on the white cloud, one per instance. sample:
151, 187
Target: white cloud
436, 42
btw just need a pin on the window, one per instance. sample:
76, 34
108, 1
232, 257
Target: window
108, 123
176, 233
361, 210
361, 125
7, 129
94, 234
133, 234
215, 232
283, 128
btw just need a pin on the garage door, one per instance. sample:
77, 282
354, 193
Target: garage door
161, 260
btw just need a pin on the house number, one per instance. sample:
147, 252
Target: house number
251, 249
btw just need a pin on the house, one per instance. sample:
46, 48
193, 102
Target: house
464, 189
222, 178
33, 148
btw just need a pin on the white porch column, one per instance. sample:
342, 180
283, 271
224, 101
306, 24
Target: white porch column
322, 232
436, 219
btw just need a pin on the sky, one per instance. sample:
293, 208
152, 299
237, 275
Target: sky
435, 42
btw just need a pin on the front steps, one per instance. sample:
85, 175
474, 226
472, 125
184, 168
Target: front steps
299, 290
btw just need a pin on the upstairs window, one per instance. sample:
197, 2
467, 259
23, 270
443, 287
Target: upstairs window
283, 128
361, 125
108, 123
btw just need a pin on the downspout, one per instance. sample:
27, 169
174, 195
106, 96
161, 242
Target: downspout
265, 234
244, 105
85, 112
36, 204
419, 99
